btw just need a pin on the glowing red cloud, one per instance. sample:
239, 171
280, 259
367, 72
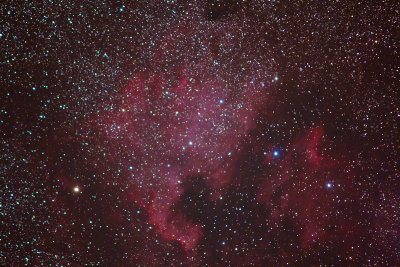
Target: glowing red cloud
304, 166
173, 132
177, 120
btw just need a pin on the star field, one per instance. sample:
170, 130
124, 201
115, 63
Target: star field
199, 133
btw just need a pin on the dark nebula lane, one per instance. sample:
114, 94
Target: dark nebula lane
199, 133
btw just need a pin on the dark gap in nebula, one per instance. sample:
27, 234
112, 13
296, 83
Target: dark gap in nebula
195, 202
215, 10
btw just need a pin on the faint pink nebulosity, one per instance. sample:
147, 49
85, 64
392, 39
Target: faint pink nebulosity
306, 166
179, 122
205, 125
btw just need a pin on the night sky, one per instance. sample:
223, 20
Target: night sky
199, 133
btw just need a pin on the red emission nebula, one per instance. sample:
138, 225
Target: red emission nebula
192, 129
199, 133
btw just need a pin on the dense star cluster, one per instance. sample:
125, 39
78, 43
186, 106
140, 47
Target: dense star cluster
199, 133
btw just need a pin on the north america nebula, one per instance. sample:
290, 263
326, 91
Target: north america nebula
199, 133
